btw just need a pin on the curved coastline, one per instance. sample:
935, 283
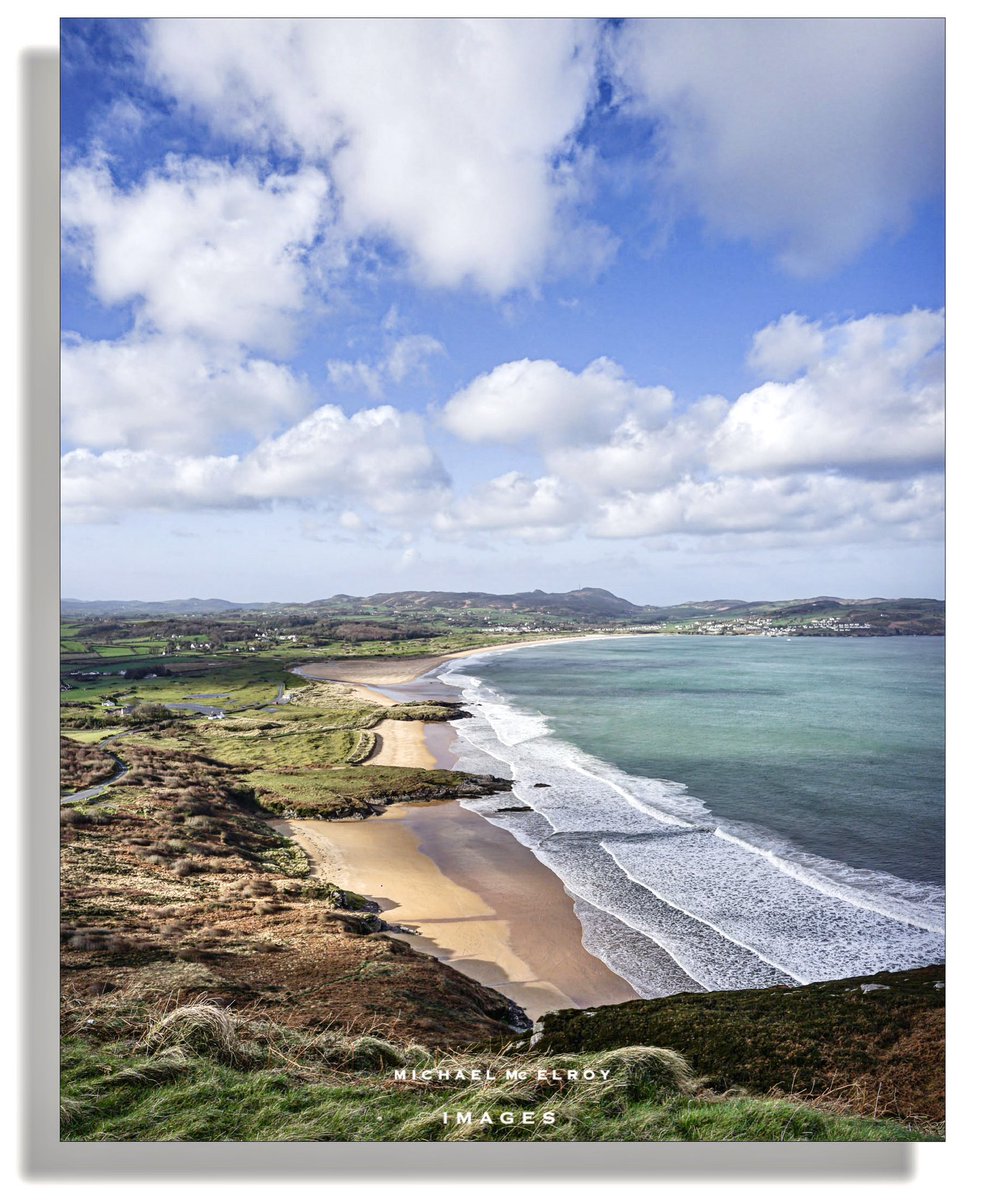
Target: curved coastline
750, 909
636, 908
456, 885
412, 669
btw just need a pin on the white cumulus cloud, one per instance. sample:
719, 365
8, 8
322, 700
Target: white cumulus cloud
171, 394
846, 439
514, 504
875, 396
794, 505
785, 347
543, 402
451, 138
201, 247
378, 457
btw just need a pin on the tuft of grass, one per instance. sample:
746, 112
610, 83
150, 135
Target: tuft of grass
885, 1049
620, 1078
286, 858
203, 1029
202, 1072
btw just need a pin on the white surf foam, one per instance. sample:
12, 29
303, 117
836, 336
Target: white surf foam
732, 907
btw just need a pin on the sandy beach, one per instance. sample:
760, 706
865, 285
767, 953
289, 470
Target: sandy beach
401, 744
385, 671
477, 899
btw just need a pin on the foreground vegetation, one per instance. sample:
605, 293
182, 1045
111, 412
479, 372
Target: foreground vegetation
875, 1044
204, 1073
213, 988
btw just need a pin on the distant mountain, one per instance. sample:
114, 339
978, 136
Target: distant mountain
588, 604
131, 608
585, 602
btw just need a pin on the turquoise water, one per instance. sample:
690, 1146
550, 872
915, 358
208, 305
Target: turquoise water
727, 812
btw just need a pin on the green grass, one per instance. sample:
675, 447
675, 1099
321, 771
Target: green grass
108, 1098
87, 737
249, 683
245, 685
321, 728
320, 747
201, 1073
130, 649
299, 791
287, 858
886, 1044
418, 712
350, 790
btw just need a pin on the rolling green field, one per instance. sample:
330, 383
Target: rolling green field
242, 684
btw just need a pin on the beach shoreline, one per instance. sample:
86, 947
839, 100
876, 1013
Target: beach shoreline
464, 890
384, 671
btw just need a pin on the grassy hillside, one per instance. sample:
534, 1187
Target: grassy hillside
204, 1073
875, 1044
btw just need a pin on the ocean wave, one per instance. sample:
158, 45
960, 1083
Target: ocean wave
918, 904
793, 927
524, 741
727, 905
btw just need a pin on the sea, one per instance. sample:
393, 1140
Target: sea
726, 812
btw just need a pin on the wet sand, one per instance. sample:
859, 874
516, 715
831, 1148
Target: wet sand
407, 670
476, 897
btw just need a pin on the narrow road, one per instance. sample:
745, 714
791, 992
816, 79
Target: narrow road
96, 789
92, 792
205, 710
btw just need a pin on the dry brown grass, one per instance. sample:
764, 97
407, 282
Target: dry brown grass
223, 916
83, 766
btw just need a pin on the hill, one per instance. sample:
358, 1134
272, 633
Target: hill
875, 1042
589, 602
819, 615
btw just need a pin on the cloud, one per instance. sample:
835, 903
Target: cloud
787, 346
407, 355
201, 247
635, 458
874, 397
794, 504
454, 140
355, 376
378, 457
404, 357
814, 137
514, 504
848, 439
171, 394
543, 402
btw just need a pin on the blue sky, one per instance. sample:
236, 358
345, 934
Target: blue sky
356, 306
